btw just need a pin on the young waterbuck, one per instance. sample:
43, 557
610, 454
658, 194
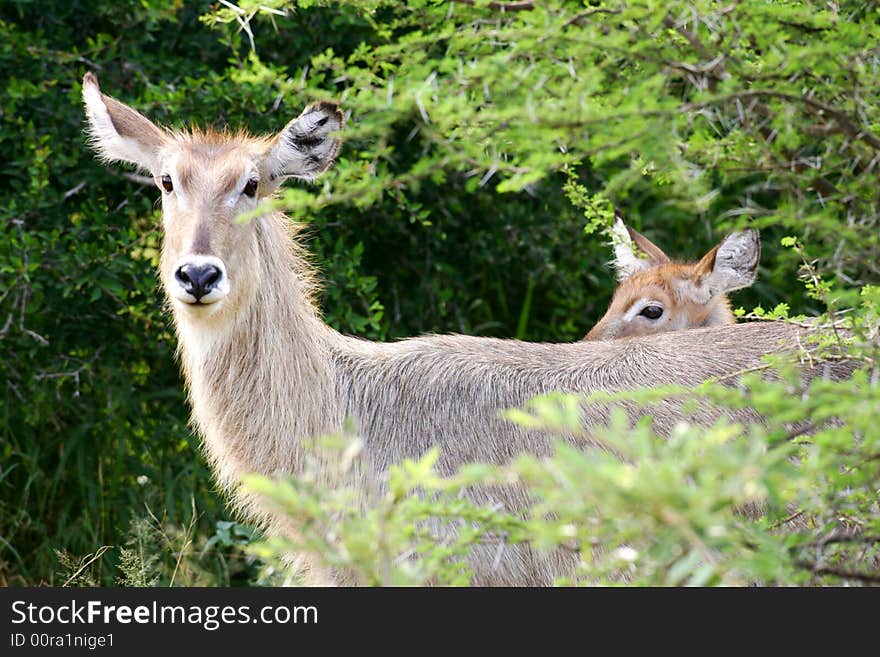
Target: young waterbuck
656, 294
265, 373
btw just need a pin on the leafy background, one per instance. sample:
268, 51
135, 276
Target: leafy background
484, 151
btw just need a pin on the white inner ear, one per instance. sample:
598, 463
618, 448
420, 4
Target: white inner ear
107, 142
304, 149
736, 262
626, 262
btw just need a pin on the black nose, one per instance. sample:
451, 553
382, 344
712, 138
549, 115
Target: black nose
198, 280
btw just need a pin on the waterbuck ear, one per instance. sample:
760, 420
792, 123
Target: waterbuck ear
306, 146
117, 132
633, 252
733, 264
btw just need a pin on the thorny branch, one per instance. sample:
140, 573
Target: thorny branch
849, 538
816, 569
846, 123
690, 37
577, 18
524, 5
73, 374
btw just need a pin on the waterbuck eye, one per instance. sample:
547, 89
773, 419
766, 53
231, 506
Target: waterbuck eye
250, 188
167, 185
652, 312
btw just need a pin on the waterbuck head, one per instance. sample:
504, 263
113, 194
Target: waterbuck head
656, 294
207, 180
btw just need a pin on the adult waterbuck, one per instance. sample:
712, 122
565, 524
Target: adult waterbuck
265, 373
656, 294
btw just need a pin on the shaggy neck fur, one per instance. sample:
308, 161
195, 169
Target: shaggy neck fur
260, 379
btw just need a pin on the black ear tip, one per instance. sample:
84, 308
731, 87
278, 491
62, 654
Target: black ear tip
754, 236
751, 234
328, 108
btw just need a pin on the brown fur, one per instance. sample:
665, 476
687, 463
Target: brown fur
691, 295
265, 373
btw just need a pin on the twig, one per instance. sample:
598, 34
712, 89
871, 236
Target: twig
670, 22
838, 537
36, 336
187, 540
523, 5
15, 390
94, 557
73, 190
708, 68
794, 434
785, 521
6, 326
733, 375
577, 18
715, 69
837, 572
846, 123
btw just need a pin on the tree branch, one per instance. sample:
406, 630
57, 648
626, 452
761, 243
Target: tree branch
838, 572
820, 184
577, 18
840, 537
846, 123
715, 68
523, 5
691, 38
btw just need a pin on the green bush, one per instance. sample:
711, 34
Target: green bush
480, 144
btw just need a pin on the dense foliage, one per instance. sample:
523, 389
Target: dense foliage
482, 139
